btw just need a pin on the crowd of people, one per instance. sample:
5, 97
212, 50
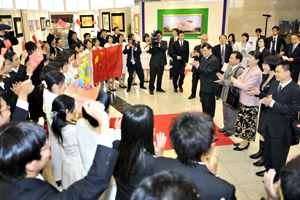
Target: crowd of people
88, 155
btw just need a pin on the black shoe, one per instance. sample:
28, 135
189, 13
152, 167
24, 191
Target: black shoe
241, 149
260, 151
160, 90
260, 162
191, 97
236, 144
261, 173
226, 134
58, 183
128, 90
143, 87
181, 89
171, 77
151, 92
175, 90
134, 84
222, 130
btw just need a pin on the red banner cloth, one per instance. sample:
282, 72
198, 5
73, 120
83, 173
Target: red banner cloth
107, 63
35, 59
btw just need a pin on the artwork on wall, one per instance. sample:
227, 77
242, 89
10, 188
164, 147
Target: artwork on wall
18, 26
32, 25
117, 20
287, 27
189, 23
37, 23
6, 19
106, 21
136, 23
87, 21
43, 23
48, 23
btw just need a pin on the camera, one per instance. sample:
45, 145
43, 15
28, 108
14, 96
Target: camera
154, 39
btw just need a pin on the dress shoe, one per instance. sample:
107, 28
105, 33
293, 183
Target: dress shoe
134, 83
151, 92
260, 151
128, 90
261, 173
143, 87
181, 89
175, 90
226, 134
236, 144
241, 149
222, 130
191, 97
260, 162
160, 90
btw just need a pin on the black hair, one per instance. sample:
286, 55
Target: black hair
258, 56
166, 185
275, 27
67, 53
137, 137
179, 32
116, 28
109, 36
86, 42
144, 37
272, 61
50, 38
238, 55
158, 32
46, 69
258, 30
94, 41
86, 34
207, 45
60, 105
20, 144
223, 35
103, 98
56, 64
191, 135
176, 29
287, 66
30, 47
57, 39
9, 56
233, 37
52, 78
61, 60
102, 30
118, 37
77, 44
290, 179
246, 35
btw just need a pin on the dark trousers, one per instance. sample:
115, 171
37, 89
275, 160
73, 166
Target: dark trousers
178, 72
139, 72
156, 71
171, 70
195, 80
295, 76
275, 152
208, 103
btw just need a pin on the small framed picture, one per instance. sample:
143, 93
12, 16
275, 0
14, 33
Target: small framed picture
43, 23
18, 26
106, 21
87, 21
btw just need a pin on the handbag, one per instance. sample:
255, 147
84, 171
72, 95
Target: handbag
233, 95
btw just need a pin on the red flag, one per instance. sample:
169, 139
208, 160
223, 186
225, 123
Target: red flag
34, 39
7, 44
35, 59
94, 22
107, 63
42, 43
61, 23
78, 22
3, 51
23, 45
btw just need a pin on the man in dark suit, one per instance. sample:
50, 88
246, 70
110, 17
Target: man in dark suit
275, 42
72, 36
259, 35
283, 103
196, 54
115, 36
20, 173
133, 51
158, 61
18, 69
102, 37
292, 52
5, 34
207, 69
59, 45
192, 136
180, 54
171, 42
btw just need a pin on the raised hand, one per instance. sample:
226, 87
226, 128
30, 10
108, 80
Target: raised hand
160, 145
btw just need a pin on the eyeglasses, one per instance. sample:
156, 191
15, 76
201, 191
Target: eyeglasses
8, 108
216, 138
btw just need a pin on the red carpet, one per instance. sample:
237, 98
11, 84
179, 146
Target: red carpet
162, 123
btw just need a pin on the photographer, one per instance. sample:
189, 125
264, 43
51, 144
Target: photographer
5, 34
133, 51
158, 61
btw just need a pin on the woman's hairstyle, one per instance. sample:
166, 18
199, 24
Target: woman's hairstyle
118, 37
137, 137
30, 47
144, 37
246, 35
103, 98
66, 54
52, 78
86, 42
233, 37
258, 56
263, 39
77, 44
272, 61
62, 60
94, 41
60, 105
109, 36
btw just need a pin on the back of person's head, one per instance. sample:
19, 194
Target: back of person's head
66, 54
30, 47
238, 55
20, 143
287, 66
74, 45
53, 78
50, 38
62, 60
9, 56
290, 179
272, 61
137, 136
47, 69
258, 56
103, 98
191, 136
60, 106
166, 185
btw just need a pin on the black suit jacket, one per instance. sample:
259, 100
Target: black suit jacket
158, 55
90, 187
276, 117
295, 55
265, 52
180, 51
13, 40
101, 39
207, 72
217, 53
20, 75
280, 41
19, 114
136, 54
171, 42
209, 186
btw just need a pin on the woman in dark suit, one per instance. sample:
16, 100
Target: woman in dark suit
261, 47
269, 66
136, 149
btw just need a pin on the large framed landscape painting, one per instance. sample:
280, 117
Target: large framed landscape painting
189, 23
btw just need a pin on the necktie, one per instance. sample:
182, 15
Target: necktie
279, 89
273, 46
132, 57
223, 55
294, 47
181, 44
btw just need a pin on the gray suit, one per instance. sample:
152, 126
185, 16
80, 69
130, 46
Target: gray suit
229, 115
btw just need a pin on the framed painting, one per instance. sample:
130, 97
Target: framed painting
32, 25
37, 24
106, 21
18, 26
136, 23
48, 23
87, 21
6, 19
43, 23
189, 23
117, 20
